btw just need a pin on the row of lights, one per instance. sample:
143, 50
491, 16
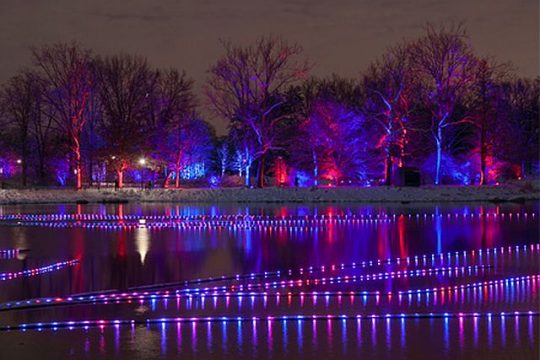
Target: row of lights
37, 271
528, 280
258, 319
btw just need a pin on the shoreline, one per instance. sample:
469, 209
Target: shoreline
509, 192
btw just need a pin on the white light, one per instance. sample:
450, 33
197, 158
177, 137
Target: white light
142, 161
19, 161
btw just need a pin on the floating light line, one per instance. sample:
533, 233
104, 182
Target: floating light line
113, 221
415, 260
37, 271
137, 296
279, 318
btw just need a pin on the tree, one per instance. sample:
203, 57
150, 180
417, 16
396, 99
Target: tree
518, 134
246, 87
444, 65
21, 101
67, 83
126, 84
328, 139
190, 145
223, 155
483, 103
388, 84
173, 107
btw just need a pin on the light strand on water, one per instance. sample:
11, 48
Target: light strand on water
137, 296
254, 222
279, 318
37, 271
416, 260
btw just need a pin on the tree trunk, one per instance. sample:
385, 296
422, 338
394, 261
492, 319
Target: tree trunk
177, 175
388, 170
246, 174
120, 175
315, 168
260, 172
439, 155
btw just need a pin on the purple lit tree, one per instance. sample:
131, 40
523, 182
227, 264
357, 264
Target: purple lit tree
388, 85
330, 138
246, 87
68, 84
444, 65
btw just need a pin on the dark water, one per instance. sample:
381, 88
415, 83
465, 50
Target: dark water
126, 258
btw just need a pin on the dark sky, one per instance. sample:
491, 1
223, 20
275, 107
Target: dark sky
340, 36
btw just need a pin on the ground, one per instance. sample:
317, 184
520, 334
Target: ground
515, 191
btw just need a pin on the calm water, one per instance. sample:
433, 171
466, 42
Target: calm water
137, 248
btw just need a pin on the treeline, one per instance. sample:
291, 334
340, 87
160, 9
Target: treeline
429, 105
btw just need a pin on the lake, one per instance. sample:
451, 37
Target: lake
278, 281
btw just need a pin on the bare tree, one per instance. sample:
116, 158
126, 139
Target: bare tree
444, 65
68, 83
388, 85
483, 102
518, 135
246, 87
21, 100
125, 84
173, 106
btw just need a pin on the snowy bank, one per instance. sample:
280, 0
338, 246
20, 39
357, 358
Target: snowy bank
518, 191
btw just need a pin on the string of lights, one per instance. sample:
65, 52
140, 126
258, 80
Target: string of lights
258, 319
37, 271
529, 280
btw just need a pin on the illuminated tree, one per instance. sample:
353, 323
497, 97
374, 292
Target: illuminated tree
223, 156
329, 140
388, 85
444, 65
190, 144
126, 85
173, 104
246, 87
483, 102
67, 83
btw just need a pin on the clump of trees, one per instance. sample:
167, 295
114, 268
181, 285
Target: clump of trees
430, 103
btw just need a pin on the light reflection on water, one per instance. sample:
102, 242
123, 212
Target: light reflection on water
119, 259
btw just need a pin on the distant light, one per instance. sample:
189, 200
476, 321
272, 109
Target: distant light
19, 161
142, 161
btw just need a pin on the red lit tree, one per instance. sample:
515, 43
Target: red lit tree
68, 83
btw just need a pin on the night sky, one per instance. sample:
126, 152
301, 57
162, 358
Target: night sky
340, 36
